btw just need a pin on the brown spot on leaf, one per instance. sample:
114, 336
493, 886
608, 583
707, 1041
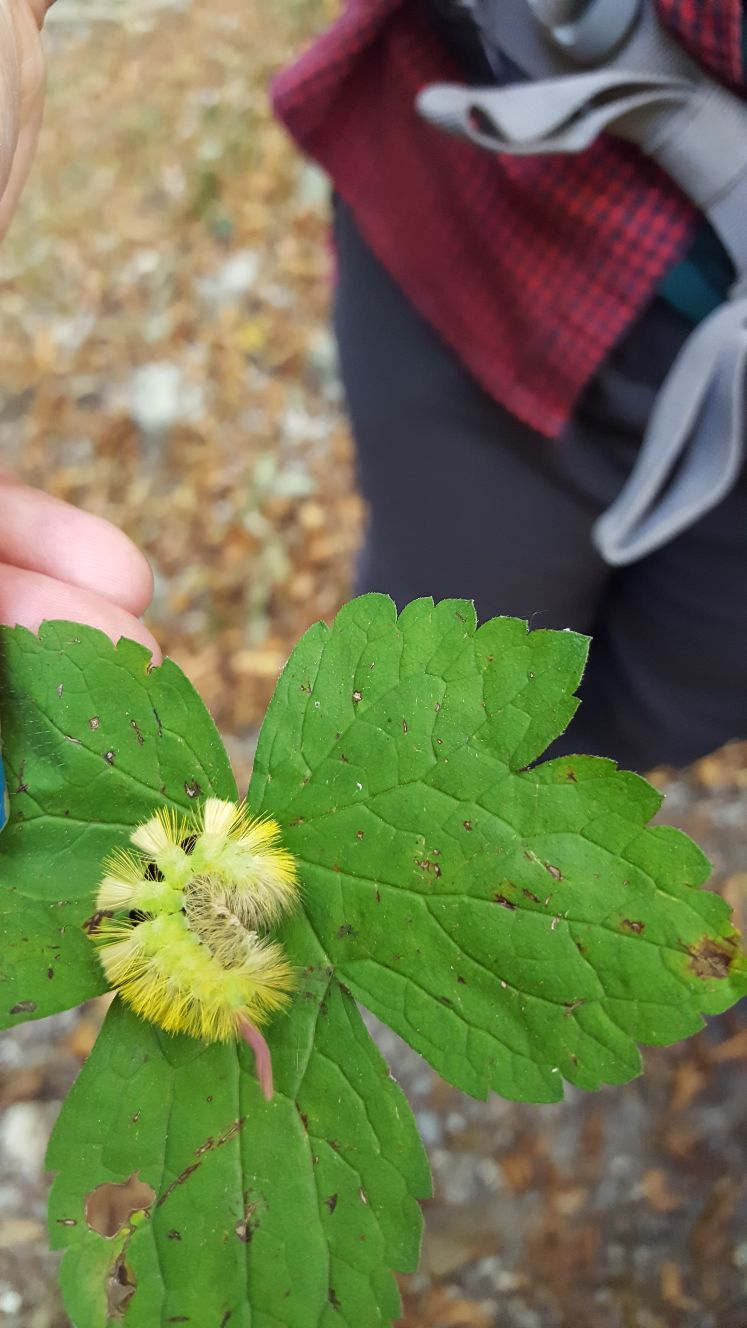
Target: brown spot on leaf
91, 925
109, 758
181, 1178
357, 696
346, 930
528, 894
173, 1234
504, 902
110, 1206
136, 730
467, 825
192, 788
360, 834
246, 1226
555, 872
331, 1202
23, 1007
219, 1140
633, 925
334, 1300
708, 959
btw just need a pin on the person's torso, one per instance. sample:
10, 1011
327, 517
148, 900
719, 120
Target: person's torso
697, 285
549, 259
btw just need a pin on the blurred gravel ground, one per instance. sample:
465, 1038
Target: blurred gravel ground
166, 362
166, 359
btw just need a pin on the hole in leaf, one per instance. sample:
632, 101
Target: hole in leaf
120, 1288
109, 1207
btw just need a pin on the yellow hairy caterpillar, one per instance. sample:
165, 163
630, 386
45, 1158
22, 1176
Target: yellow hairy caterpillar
182, 921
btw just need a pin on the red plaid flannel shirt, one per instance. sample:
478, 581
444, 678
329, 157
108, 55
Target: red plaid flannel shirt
529, 268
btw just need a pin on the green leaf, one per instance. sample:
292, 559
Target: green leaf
516, 926
92, 741
263, 1214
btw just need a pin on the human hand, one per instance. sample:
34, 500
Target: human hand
21, 96
55, 561
59, 562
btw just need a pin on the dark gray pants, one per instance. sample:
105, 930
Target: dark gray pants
465, 500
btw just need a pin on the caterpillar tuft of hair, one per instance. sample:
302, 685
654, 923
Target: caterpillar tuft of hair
182, 924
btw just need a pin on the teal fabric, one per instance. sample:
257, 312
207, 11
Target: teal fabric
700, 283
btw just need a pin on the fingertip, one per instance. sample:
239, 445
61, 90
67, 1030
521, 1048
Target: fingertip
28, 599
155, 650
140, 579
46, 535
97, 556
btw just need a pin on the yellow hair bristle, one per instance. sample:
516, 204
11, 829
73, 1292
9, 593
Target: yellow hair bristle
114, 895
246, 854
118, 889
218, 817
187, 947
156, 836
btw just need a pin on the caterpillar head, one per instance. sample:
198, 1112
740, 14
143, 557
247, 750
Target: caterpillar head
186, 915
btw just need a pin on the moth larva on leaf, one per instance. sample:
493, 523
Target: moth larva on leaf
184, 937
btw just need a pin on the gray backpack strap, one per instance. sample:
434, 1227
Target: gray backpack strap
587, 33
694, 446
650, 92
